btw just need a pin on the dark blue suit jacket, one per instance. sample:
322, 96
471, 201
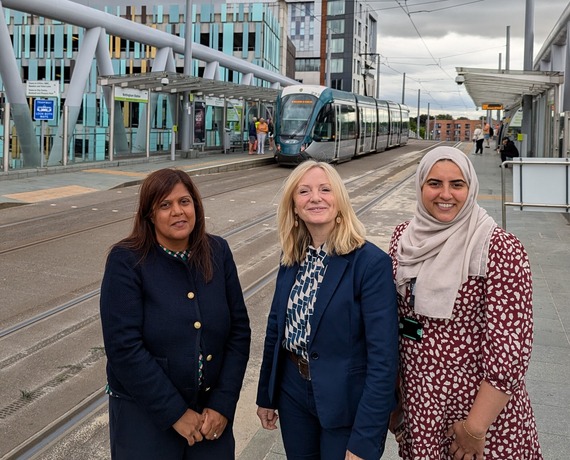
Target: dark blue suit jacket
353, 349
158, 316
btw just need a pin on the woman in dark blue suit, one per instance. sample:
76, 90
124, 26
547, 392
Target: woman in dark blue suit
176, 330
331, 349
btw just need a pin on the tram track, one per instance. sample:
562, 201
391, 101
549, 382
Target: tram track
96, 401
60, 236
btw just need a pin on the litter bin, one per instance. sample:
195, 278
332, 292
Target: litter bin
226, 141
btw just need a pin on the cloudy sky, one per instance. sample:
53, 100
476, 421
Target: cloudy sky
428, 39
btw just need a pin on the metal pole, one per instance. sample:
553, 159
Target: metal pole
147, 148
65, 143
6, 136
403, 88
508, 51
112, 125
418, 120
378, 76
329, 57
526, 128
42, 134
186, 115
427, 124
173, 143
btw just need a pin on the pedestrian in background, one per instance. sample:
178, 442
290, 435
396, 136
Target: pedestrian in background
478, 139
487, 134
466, 324
330, 356
508, 149
271, 134
175, 328
252, 132
262, 130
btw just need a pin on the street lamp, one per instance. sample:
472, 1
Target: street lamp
366, 67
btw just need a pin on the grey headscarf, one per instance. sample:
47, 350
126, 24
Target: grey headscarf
441, 255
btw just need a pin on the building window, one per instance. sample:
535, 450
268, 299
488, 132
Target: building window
238, 41
301, 25
337, 65
337, 84
337, 26
307, 65
337, 45
335, 7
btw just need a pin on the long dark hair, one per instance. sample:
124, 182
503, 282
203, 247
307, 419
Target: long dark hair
153, 190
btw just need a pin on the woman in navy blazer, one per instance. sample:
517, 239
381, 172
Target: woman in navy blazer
331, 347
176, 330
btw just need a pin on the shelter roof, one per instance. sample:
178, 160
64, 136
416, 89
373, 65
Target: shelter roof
172, 82
505, 87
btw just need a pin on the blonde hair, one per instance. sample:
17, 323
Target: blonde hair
347, 235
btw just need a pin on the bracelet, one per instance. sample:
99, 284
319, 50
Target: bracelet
482, 438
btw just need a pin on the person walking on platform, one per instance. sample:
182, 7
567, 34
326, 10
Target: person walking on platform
466, 323
262, 130
478, 139
271, 134
508, 149
487, 134
175, 328
330, 356
252, 132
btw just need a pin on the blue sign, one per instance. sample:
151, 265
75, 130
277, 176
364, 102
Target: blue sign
44, 109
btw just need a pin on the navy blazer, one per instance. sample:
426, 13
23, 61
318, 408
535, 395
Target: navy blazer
158, 316
353, 348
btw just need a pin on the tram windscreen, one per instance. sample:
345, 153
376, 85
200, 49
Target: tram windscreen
295, 114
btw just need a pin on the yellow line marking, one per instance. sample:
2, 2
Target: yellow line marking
50, 193
116, 173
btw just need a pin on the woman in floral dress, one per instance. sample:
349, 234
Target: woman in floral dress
465, 309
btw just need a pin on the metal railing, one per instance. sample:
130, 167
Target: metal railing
528, 195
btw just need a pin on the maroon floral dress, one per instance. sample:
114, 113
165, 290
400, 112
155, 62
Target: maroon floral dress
488, 337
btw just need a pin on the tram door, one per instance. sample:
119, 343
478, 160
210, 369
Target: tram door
346, 130
337, 137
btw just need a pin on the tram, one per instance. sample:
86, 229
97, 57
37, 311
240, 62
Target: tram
330, 125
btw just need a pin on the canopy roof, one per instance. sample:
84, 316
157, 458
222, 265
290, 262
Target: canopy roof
505, 87
172, 82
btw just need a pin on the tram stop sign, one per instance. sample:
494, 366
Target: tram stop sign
492, 106
44, 109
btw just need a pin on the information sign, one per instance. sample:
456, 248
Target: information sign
492, 106
44, 109
42, 88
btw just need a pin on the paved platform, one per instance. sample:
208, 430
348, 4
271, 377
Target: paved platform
41, 184
546, 237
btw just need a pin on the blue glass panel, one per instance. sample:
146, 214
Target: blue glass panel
27, 39
257, 12
69, 34
174, 14
40, 45
228, 38
33, 69
58, 41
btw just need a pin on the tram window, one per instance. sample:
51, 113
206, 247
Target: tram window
347, 122
324, 124
295, 114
